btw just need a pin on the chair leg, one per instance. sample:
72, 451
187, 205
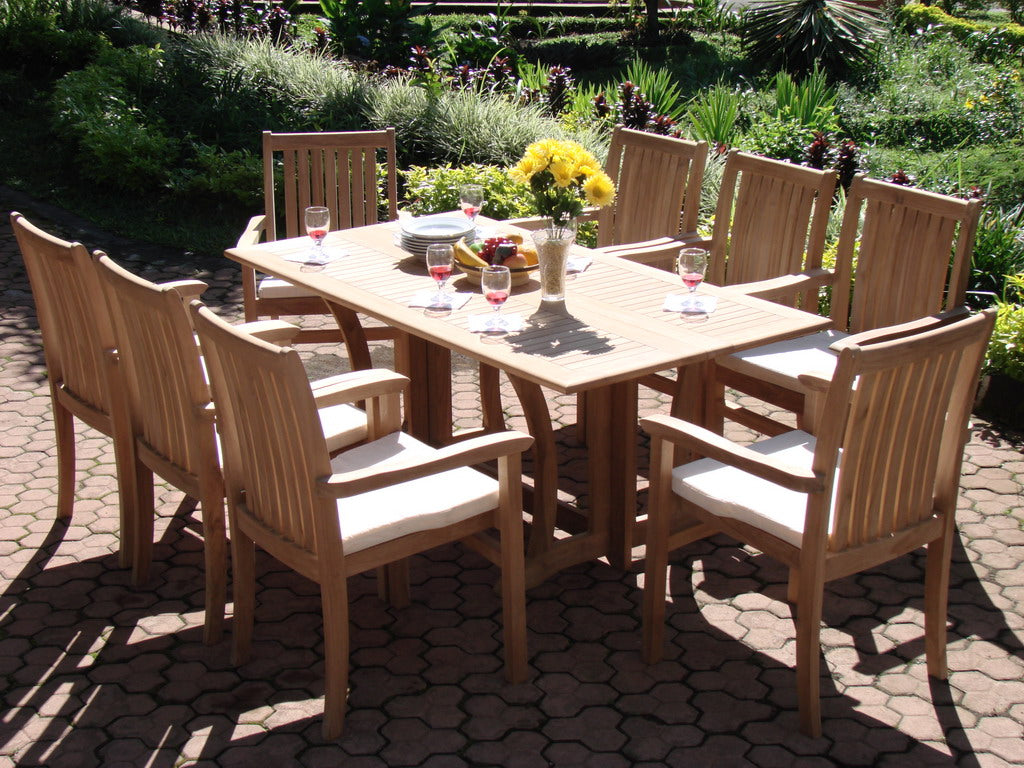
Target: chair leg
659, 507
513, 568
334, 597
142, 524
393, 583
490, 399
808, 653
243, 568
214, 561
936, 601
64, 426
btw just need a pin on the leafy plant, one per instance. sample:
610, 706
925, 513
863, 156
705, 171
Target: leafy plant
998, 254
381, 30
810, 102
1005, 353
435, 190
714, 116
799, 34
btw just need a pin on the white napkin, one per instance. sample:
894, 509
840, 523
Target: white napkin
303, 257
425, 298
681, 302
578, 263
492, 323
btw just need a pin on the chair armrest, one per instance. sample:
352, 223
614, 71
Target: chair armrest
474, 451
253, 231
357, 385
892, 332
786, 286
657, 252
187, 289
275, 331
538, 222
714, 446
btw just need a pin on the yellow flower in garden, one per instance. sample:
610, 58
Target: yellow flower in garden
969, 104
599, 189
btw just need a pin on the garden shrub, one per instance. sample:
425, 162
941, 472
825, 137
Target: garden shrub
916, 16
118, 143
799, 35
434, 190
606, 47
381, 30
998, 253
1006, 347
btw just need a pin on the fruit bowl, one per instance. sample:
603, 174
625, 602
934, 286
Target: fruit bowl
471, 263
520, 275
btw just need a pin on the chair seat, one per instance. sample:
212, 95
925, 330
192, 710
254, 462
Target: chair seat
423, 504
276, 288
729, 492
782, 362
343, 425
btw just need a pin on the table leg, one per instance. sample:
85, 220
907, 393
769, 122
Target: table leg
545, 465
428, 404
611, 448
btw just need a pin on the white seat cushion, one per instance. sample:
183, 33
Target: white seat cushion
343, 425
418, 505
275, 288
780, 363
729, 492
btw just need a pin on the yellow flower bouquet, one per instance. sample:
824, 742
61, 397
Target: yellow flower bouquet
563, 176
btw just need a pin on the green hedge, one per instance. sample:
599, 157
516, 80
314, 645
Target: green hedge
917, 16
579, 50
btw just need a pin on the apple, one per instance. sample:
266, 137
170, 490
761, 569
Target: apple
517, 261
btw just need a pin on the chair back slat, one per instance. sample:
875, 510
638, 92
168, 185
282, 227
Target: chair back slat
912, 254
770, 219
898, 424
657, 180
273, 444
72, 314
337, 170
165, 378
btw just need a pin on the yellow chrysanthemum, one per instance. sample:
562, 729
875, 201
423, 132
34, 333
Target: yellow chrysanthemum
563, 172
599, 189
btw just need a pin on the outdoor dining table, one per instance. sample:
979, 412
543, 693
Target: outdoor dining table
610, 331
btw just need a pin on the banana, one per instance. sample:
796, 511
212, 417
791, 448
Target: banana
465, 255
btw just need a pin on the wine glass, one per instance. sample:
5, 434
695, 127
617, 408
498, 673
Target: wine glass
471, 200
693, 263
439, 264
495, 283
318, 221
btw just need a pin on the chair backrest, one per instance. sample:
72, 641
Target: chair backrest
73, 316
913, 254
272, 442
164, 375
896, 417
770, 220
657, 187
337, 170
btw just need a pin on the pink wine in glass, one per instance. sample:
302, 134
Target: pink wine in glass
692, 279
496, 298
441, 273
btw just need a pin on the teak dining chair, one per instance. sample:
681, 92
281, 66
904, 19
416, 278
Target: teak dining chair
878, 481
370, 506
770, 223
908, 252
171, 415
81, 361
337, 170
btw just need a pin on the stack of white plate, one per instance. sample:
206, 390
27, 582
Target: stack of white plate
417, 234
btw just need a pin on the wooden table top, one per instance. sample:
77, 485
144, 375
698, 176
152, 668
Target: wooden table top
611, 328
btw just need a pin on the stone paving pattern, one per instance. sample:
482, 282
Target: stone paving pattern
97, 672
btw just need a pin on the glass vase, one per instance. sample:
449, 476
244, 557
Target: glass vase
554, 242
